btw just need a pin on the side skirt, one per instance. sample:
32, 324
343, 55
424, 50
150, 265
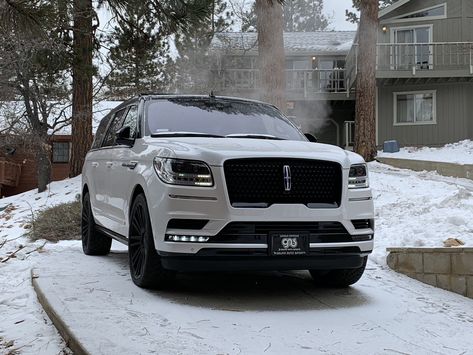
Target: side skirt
118, 237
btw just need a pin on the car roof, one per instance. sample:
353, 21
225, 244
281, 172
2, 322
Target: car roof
211, 96
160, 96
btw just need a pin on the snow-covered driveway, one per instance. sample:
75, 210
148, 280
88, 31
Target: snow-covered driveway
273, 313
280, 313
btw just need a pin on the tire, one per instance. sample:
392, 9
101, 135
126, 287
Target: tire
145, 263
93, 242
338, 278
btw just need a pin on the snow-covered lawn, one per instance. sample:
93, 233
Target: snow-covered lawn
459, 153
419, 209
412, 209
22, 319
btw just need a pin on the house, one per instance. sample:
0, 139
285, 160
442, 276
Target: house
18, 166
317, 96
424, 74
18, 163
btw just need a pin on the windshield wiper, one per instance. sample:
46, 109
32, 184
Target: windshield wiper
185, 134
254, 136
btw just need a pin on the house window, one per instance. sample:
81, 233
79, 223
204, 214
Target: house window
411, 108
60, 152
436, 11
413, 48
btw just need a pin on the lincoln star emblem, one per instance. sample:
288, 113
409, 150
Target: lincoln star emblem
287, 178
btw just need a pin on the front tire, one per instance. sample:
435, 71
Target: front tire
93, 242
339, 278
145, 264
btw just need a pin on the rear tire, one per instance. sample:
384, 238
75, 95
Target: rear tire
338, 278
145, 263
93, 242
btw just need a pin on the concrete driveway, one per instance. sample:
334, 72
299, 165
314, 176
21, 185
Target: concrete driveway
250, 313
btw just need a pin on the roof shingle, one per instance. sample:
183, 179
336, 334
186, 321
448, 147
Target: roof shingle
322, 42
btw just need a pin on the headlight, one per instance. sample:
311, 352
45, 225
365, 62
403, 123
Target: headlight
358, 177
183, 172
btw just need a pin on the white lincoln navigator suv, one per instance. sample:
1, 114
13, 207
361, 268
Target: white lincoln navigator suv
205, 183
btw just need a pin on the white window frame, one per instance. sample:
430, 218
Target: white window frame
401, 28
399, 19
416, 123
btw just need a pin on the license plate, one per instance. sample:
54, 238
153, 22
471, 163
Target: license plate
289, 244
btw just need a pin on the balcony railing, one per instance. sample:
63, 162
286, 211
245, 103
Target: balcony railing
430, 59
301, 82
425, 56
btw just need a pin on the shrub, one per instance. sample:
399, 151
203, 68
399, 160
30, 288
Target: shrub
61, 222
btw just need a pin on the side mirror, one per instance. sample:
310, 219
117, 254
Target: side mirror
310, 137
123, 137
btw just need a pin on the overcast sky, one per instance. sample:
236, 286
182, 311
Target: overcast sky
336, 8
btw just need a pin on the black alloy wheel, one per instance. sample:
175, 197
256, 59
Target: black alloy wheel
145, 264
93, 242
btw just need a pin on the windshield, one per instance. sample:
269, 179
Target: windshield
218, 118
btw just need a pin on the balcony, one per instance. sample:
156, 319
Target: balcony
323, 84
418, 61
9, 173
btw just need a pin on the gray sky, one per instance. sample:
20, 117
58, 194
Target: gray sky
336, 8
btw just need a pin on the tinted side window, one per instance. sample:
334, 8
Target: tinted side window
131, 120
115, 125
101, 130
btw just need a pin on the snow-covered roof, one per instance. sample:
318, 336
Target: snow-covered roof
392, 7
322, 42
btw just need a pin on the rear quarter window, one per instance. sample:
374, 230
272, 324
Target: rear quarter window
101, 130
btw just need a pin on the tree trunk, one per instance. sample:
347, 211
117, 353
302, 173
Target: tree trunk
270, 26
82, 72
365, 120
43, 163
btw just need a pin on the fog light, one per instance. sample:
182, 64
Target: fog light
186, 238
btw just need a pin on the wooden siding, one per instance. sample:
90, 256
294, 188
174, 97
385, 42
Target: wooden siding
29, 176
469, 109
454, 7
454, 115
457, 27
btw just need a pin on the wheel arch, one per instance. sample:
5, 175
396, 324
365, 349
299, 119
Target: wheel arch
138, 189
85, 189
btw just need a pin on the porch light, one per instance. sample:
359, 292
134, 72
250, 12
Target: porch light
385, 29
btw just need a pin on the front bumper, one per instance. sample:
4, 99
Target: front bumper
252, 260
212, 205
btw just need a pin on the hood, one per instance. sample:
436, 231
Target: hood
214, 151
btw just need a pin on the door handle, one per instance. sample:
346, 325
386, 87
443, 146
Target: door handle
109, 164
131, 165
94, 164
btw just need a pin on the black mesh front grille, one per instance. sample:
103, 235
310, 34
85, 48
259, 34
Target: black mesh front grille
261, 182
361, 223
187, 223
258, 232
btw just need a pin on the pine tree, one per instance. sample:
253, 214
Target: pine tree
139, 56
193, 63
365, 116
299, 16
353, 17
269, 14
305, 16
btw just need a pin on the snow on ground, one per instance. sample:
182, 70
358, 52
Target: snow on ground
460, 153
412, 209
419, 209
252, 313
22, 320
